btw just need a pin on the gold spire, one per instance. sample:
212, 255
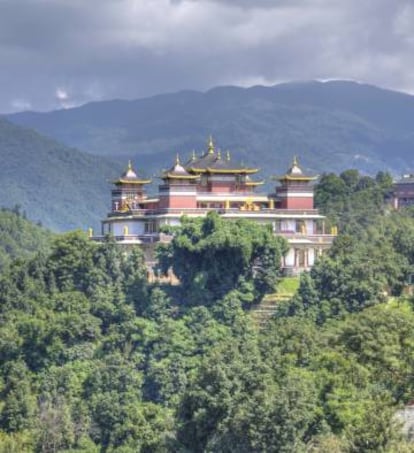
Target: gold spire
218, 154
295, 169
129, 165
210, 145
193, 157
177, 159
228, 156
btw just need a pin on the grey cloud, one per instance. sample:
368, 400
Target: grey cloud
102, 49
250, 4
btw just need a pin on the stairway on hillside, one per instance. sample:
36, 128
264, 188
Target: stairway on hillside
262, 312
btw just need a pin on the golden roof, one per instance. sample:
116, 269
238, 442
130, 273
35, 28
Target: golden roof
177, 171
295, 173
129, 176
254, 183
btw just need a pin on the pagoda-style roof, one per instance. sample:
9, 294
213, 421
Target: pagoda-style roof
295, 173
177, 171
213, 162
129, 176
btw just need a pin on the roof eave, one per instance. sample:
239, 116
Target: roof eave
135, 181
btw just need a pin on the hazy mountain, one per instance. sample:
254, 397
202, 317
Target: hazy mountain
61, 187
331, 126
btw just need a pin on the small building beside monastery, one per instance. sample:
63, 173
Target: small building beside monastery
403, 193
215, 182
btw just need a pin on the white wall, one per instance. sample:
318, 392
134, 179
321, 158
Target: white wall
288, 225
311, 257
290, 258
310, 226
134, 227
169, 221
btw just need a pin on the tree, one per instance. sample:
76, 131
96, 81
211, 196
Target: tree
350, 178
212, 256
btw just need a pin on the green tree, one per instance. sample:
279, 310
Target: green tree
212, 256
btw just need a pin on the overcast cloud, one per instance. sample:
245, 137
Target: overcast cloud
60, 53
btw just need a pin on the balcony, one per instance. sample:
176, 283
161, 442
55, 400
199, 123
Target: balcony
149, 238
317, 237
221, 211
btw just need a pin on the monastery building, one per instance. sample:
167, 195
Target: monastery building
215, 182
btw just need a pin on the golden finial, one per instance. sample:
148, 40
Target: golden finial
295, 161
129, 165
210, 145
193, 157
177, 159
228, 156
218, 154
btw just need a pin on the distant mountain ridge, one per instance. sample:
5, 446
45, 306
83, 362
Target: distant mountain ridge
330, 125
58, 186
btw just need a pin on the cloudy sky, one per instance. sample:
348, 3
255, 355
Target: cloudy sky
61, 53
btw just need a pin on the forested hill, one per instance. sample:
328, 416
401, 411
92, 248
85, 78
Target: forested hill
20, 238
332, 126
94, 358
59, 186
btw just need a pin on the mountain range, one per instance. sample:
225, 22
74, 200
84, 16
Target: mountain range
329, 125
56, 164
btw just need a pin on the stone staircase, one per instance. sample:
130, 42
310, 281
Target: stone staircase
262, 312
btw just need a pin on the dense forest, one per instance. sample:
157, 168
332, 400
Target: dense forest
93, 358
19, 237
59, 186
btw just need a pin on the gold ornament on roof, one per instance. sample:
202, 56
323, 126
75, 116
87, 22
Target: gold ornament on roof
210, 145
228, 156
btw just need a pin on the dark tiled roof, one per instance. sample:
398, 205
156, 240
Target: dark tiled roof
215, 161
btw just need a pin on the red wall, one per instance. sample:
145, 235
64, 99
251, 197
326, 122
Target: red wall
218, 187
296, 203
178, 202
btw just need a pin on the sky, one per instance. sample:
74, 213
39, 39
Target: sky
63, 53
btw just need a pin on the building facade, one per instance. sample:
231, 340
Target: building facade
215, 182
403, 192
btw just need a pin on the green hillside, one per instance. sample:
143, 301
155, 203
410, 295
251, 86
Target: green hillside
331, 126
61, 187
96, 359
19, 238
